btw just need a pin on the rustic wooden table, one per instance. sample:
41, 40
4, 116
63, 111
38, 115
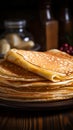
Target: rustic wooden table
13, 119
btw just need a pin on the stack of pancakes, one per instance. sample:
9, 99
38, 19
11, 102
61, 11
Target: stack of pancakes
36, 76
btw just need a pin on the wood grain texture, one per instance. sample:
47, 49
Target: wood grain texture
36, 120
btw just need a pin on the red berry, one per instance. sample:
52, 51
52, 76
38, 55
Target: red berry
61, 48
65, 45
67, 48
68, 51
70, 48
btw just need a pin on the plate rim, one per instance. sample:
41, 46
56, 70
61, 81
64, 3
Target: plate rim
50, 105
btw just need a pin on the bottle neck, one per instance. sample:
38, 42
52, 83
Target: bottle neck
49, 13
65, 12
46, 13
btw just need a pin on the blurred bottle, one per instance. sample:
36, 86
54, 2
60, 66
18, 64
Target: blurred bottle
66, 27
49, 25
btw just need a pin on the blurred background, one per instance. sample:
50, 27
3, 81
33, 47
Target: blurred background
31, 11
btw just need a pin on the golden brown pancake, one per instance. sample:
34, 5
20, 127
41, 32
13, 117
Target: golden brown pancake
53, 65
35, 84
12, 71
60, 54
35, 94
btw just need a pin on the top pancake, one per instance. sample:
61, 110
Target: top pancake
54, 65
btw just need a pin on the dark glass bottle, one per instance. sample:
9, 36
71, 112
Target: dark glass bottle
49, 25
66, 28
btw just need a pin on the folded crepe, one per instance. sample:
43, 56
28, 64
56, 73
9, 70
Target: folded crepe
53, 65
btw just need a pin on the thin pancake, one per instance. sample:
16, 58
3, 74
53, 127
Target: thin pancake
53, 67
14, 72
36, 83
35, 95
